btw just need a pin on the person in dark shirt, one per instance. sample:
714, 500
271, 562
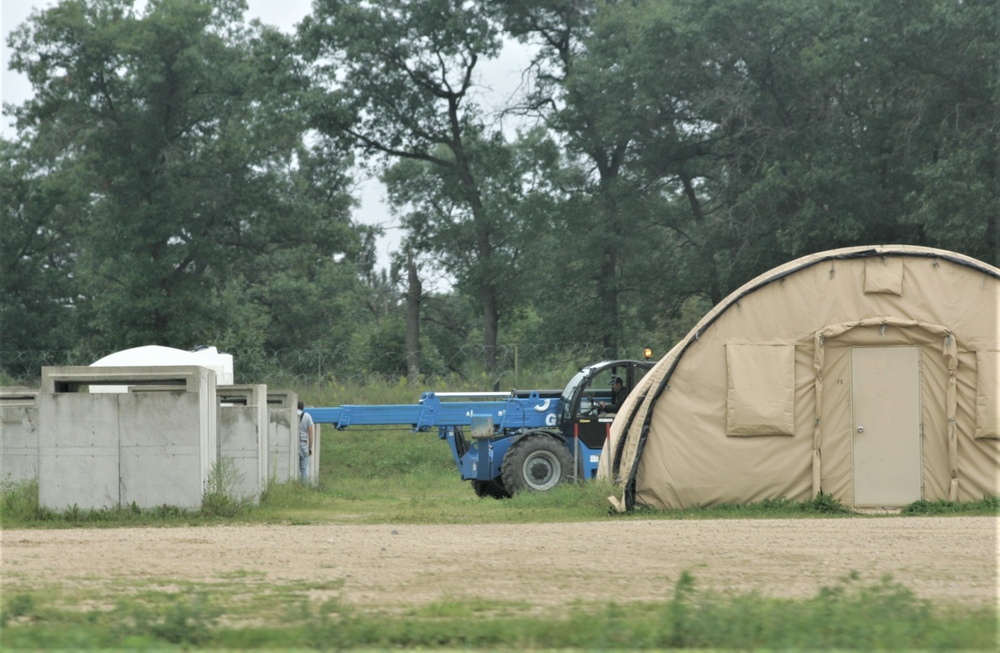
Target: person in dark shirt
618, 394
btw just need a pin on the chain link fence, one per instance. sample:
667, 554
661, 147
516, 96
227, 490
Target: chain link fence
540, 365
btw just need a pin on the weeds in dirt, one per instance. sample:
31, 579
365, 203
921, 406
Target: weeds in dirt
221, 496
986, 505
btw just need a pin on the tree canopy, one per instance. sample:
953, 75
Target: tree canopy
183, 175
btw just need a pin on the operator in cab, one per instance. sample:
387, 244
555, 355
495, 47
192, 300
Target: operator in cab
618, 394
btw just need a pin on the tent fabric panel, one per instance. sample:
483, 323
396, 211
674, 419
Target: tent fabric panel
977, 462
934, 380
987, 394
835, 442
976, 456
718, 469
967, 301
761, 389
794, 302
677, 470
884, 275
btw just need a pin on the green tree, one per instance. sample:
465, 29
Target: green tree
440, 224
952, 50
202, 206
396, 79
833, 124
37, 258
307, 285
608, 246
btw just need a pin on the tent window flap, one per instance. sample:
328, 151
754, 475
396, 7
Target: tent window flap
987, 394
761, 393
884, 275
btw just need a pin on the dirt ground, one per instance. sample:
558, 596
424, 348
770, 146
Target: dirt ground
944, 559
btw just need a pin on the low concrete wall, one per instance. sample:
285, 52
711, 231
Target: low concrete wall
150, 446
107, 450
243, 439
282, 436
314, 458
18, 434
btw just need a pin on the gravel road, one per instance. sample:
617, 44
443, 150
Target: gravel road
944, 559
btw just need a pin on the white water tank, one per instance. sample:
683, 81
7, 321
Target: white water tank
158, 356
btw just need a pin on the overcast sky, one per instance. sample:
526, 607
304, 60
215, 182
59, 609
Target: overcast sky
501, 78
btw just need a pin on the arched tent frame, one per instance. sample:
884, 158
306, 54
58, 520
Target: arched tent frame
631, 430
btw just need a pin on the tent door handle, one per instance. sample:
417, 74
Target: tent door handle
861, 429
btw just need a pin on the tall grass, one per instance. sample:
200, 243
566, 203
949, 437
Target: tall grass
848, 615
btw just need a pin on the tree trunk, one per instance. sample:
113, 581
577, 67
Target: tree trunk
490, 326
484, 248
414, 294
608, 289
607, 285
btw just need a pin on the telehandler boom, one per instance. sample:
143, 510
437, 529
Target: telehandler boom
505, 443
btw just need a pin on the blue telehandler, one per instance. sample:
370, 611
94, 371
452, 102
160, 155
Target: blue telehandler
505, 443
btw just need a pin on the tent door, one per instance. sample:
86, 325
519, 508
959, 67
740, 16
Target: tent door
885, 395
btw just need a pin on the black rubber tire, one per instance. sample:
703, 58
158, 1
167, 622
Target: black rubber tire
536, 463
491, 489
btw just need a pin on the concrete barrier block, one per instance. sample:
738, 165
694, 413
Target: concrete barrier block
18, 434
314, 458
160, 449
283, 436
243, 438
78, 458
101, 450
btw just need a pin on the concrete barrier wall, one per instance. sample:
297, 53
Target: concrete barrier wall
283, 436
314, 458
107, 450
18, 434
151, 445
162, 457
243, 438
78, 451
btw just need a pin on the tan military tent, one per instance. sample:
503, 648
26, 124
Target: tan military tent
866, 373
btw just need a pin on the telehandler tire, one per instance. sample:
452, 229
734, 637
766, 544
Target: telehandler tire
536, 463
491, 489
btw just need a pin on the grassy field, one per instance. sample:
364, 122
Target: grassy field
386, 476
846, 616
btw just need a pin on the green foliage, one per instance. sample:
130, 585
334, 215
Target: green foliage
988, 505
162, 188
38, 212
221, 496
849, 615
172, 143
19, 502
380, 352
396, 83
184, 620
19, 508
17, 606
824, 503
